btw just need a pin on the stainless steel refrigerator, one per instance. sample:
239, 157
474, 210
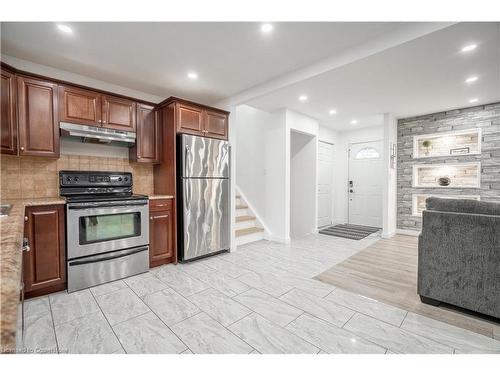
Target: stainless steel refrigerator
203, 177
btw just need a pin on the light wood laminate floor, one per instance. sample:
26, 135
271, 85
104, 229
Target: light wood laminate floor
387, 272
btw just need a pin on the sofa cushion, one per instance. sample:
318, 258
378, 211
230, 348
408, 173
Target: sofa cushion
462, 206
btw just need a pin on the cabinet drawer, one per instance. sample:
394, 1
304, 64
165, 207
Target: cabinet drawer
160, 204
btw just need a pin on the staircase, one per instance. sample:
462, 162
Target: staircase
247, 226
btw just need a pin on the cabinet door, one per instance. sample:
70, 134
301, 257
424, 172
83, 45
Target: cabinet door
37, 111
8, 131
45, 262
160, 237
147, 143
79, 106
189, 119
118, 113
216, 125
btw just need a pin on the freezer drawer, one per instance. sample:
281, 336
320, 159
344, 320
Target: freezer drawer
205, 217
204, 157
94, 270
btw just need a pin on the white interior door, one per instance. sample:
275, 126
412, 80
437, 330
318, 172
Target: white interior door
365, 184
325, 183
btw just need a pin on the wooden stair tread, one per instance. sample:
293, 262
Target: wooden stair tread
241, 206
244, 218
244, 232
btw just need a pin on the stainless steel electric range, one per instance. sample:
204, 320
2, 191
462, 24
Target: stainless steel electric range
107, 227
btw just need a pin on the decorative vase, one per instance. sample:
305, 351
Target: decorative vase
444, 181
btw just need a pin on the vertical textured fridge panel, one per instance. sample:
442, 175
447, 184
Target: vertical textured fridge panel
206, 216
204, 157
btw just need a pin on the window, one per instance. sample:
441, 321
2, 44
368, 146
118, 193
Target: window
367, 153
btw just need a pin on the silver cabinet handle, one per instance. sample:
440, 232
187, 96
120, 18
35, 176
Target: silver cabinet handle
22, 148
26, 248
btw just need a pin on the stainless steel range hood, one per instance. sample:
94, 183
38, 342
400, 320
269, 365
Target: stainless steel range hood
95, 134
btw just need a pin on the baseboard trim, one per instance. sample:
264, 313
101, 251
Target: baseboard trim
408, 232
388, 235
276, 238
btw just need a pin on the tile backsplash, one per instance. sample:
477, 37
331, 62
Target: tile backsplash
37, 177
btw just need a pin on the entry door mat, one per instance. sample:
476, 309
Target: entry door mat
350, 231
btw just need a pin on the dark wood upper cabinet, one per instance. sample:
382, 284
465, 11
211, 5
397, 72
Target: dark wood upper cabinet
37, 117
118, 113
216, 124
8, 118
200, 120
79, 106
147, 143
161, 232
45, 262
189, 119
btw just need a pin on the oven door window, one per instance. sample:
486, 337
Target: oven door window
99, 228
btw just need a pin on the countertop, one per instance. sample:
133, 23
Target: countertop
11, 237
160, 196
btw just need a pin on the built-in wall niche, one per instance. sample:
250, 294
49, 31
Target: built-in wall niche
419, 201
463, 175
463, 142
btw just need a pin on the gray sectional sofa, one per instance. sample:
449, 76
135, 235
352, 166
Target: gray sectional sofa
459, 254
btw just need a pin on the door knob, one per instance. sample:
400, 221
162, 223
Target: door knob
22, 148
351, 191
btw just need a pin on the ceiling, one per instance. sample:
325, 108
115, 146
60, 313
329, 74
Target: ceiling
422, 76
156, 57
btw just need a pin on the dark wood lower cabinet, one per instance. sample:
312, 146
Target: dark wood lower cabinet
161, 233
44, 264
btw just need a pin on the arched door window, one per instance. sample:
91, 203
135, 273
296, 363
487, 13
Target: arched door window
367, 153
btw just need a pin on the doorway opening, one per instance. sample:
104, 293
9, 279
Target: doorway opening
303, 154
365, 183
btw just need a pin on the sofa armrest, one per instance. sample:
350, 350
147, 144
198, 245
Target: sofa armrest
459, 260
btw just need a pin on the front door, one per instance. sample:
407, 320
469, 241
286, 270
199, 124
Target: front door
325, 182
365, 183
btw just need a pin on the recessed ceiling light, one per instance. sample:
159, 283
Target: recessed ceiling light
354, 122
332, 111
303, 98
192, 75
469, 47
266, 28
65, 29
473, 100
471, 79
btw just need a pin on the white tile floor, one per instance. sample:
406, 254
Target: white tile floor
258, 299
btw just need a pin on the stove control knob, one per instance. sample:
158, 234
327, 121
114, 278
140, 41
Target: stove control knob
76, 178
126, 179
68, 178
120, 179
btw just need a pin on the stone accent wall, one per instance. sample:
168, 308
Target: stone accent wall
37, 177
487, 118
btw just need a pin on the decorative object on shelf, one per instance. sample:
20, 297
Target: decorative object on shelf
427, 145
444, 181
460, 151
447, 143
447, 175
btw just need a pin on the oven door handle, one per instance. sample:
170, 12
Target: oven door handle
76, 206
101, 258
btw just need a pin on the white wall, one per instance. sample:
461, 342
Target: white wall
341, 166
303, 187
262, 163
303, 124
251, 126
276, 178
390, 181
